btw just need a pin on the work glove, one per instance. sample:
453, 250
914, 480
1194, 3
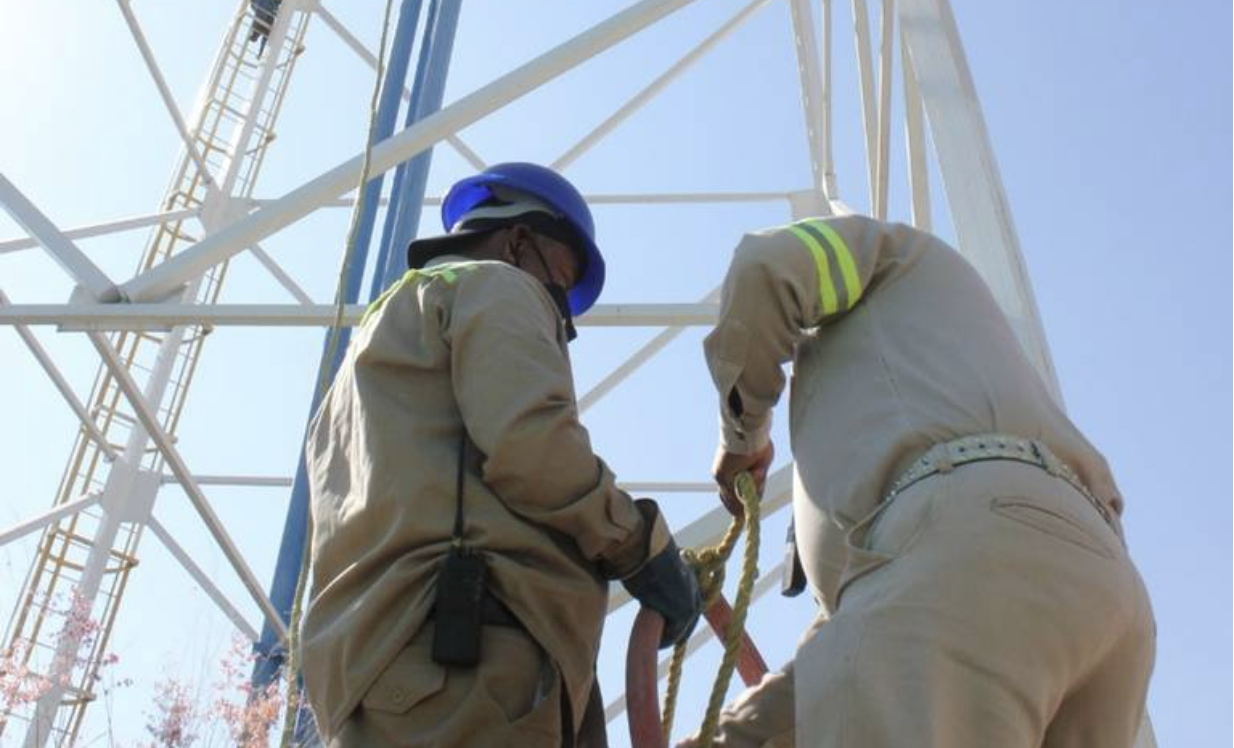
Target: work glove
666, 584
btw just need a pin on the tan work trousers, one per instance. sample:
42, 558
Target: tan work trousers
512, 698
996, 609
1001, 610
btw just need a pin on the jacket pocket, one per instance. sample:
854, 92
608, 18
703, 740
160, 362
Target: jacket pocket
885, 534
1055, 523
407, 681
860, 558
541, 724
523, 688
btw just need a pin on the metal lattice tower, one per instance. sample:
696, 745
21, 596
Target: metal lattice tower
89, 554
150, 329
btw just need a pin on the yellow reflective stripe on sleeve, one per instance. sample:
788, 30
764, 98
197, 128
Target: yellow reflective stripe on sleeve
826, 289
848, 268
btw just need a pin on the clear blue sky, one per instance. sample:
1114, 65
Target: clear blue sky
1111, 122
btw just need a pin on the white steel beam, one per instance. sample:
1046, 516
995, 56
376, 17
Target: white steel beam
100, 229
126, 497
106, 317
149, 420
636, 360
466, 151
648, 93
282, 482
865, 71
62, 385
649, 198
882, 167
979, 206
280, 275
233, 480
679, 198
65, 252
350, 39
914, 143
202, 579
814, 72
341, 202
370, 59
164, 91
667, 487
54, 514
167, 277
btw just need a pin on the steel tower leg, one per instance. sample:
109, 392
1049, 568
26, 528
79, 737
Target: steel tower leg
120, 503
980, 210
92, 551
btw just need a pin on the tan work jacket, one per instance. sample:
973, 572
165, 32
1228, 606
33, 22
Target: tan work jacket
897, 344
460, 345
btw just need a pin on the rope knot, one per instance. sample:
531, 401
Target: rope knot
708, 564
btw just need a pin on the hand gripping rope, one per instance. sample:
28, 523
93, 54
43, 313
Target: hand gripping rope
646, 728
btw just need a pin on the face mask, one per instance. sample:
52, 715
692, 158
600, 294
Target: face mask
563, 305
558, 294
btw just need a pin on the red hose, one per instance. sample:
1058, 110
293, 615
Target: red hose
642, 680
642, 689
750, 664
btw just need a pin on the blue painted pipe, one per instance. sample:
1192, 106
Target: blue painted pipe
295, 527
411, 178
406, 199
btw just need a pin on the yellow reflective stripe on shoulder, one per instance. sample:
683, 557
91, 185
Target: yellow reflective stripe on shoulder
826, 289
380, 301
442, 271
848, 267
447, 270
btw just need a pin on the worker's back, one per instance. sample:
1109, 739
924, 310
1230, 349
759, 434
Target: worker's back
923, 356
444, 354
975, 591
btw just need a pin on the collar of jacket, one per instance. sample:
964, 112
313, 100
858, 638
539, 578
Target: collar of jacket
447, 260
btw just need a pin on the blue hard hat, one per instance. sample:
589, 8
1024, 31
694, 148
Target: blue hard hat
552, 188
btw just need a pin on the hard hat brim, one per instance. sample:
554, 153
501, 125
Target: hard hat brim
581, 297
421, 251
468, 193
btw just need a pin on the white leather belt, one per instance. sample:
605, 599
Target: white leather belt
945, 457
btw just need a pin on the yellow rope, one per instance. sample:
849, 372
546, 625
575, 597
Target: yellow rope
293, 666
709, 564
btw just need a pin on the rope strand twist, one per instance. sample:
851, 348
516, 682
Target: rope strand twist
709, 564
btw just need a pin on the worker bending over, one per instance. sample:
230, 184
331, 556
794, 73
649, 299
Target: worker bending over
464, 531
960, 534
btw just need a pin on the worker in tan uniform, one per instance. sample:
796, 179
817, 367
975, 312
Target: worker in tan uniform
465, 534
960, 535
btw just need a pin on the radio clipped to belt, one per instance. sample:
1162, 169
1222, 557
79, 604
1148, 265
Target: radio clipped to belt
462, 586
